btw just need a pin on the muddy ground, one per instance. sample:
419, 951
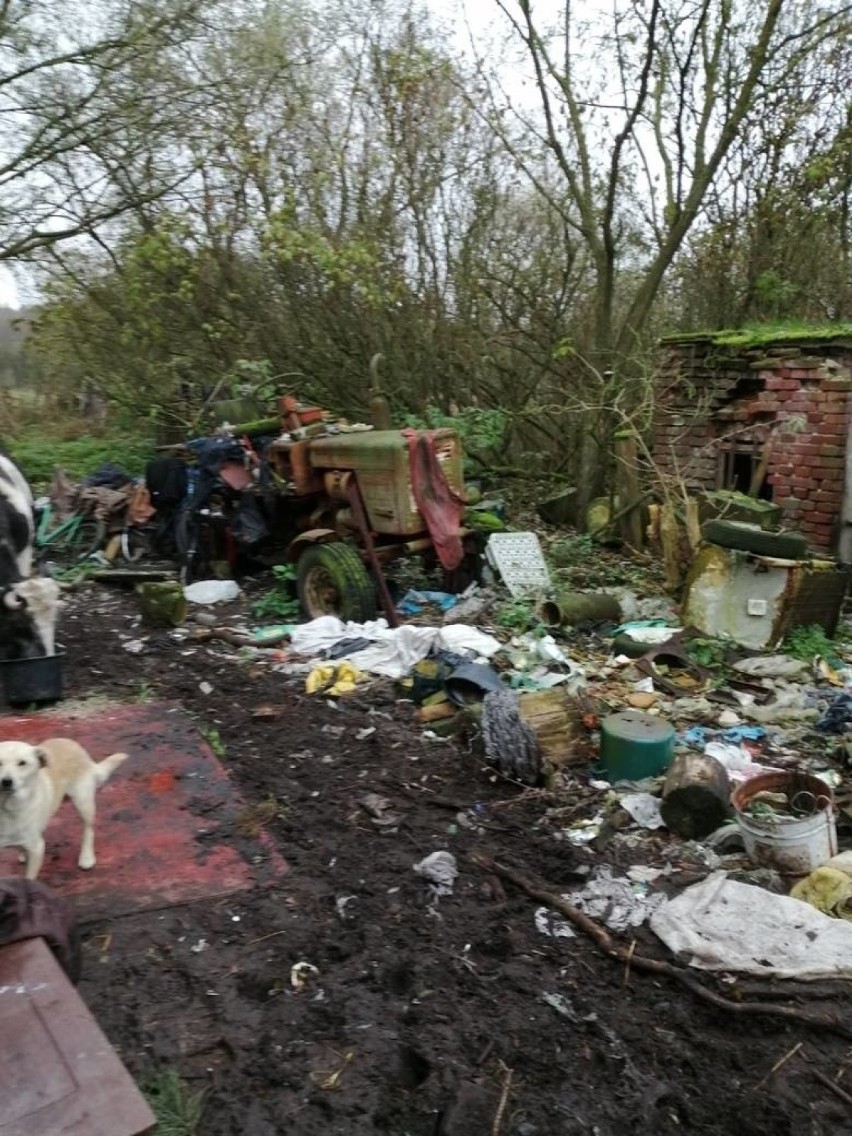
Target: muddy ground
420, 1021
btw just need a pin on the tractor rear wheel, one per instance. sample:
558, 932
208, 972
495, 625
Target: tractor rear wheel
331, 580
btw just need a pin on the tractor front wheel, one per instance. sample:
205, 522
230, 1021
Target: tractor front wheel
331, 580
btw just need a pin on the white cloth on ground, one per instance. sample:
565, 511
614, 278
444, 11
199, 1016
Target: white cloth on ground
394, 651
721, 924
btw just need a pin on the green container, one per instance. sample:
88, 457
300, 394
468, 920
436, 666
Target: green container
635, 745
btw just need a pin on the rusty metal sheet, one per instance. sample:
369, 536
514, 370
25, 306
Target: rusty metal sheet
166, 830
59, 1075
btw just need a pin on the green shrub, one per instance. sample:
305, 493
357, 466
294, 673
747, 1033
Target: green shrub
806, 643
38, 453
280, 603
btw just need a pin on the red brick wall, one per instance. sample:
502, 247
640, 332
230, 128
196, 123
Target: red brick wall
708, 397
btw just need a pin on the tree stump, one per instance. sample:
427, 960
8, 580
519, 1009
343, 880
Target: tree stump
696, 796
162, 603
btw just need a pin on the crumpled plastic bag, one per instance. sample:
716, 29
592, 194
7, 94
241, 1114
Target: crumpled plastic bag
621, 904
212, 591
440, 870
826, 889
332, 679
771, 666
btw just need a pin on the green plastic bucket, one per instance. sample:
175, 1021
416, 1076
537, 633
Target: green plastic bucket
635, 745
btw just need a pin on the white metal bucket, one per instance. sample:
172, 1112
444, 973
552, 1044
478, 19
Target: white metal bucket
792, 845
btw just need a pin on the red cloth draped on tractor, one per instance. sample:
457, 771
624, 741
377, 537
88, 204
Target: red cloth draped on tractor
439, 505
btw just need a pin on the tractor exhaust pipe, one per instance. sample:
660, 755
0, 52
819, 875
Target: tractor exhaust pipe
380, 415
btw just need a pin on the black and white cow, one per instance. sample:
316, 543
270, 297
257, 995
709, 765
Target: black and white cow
28, 604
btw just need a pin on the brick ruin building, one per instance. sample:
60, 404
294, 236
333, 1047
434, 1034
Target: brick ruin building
722, 408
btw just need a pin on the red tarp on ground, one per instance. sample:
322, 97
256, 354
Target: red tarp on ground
167, 827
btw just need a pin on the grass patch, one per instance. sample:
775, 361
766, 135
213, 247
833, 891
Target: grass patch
214, 739
36, 452
178, 1111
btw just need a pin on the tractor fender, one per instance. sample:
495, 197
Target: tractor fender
306, 539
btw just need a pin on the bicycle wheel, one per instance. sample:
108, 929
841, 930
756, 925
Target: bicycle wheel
186, 539
89, 537
135, 544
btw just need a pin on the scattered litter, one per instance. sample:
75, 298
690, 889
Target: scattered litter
212, 591
379, 809
650, 632
561, 1005
548, 923
205, 687
720, 924
643, 874
440, 870
333, 731
644, 808
134, 646
198, 947
736, 759
341, 904
565, 1007
618, 902
367, 732
584, 831
461, 639
272, 633
771, 666
639, 700
729, 718
837, 716
393, 652
520, 562
412, 603
301, 973
267, 713
828, 890
644, 609
332, 679
644, 685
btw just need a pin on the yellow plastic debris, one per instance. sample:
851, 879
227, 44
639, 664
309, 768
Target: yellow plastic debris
828, 890
331, 678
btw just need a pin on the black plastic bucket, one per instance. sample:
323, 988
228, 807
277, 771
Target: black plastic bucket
32, 680
471, 682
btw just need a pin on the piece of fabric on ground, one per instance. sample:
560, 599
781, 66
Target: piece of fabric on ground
30, 910
720, 924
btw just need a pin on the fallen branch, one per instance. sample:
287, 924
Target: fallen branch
504, 1098
781, 1061
835, 1088
621, 954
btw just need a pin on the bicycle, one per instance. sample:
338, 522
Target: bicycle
78, 536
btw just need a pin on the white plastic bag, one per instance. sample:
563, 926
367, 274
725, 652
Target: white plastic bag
212, 591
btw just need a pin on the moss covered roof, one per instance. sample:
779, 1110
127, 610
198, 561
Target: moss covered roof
767, 335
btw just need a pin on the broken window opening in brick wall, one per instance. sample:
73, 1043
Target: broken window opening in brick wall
738, 463
718, 405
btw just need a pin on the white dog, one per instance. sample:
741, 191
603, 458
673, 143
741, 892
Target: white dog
33, 782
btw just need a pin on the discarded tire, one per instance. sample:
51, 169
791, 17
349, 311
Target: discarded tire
332, 580
783, 546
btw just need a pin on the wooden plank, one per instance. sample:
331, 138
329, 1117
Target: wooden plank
59, 1075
